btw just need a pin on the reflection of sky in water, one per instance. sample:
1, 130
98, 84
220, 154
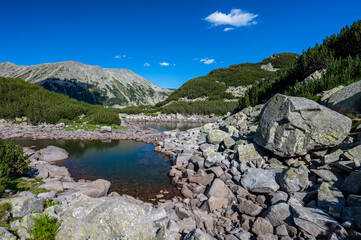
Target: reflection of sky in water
172, 126
126, 164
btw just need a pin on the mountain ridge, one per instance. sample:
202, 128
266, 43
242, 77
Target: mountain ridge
93, 84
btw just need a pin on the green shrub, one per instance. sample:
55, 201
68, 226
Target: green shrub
45, 227
4, 207
12, 162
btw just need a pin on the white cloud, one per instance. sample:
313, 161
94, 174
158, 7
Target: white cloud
207, 61
236, 18
120, 56
228, 29
117, 57
164, 64
124, 56
146, 64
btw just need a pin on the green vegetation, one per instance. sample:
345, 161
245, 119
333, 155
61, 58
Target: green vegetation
90, 127
50, 203
45, 227
218, 107
4, 207
19, 98
12, 163
31, 185
338, 54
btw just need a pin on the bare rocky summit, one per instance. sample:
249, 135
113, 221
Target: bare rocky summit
92, 84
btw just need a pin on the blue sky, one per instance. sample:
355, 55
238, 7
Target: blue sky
167, 42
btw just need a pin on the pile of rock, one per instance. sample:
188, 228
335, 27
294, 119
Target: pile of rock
290, 171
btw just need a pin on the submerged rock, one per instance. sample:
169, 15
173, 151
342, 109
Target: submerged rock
291, 126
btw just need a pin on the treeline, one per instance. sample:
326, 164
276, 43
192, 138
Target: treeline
19, 98
338, 54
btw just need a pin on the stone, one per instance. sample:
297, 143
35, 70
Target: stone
352, 214
248, 207
216, 136
186, 192
304, 197
347, 166
325, 95
24, 203
259, 181
218, 189
346, 100
183, 158
229, 142
278, 214
158, 214
354, 200
237, 120
295, 179
6, 235
261, 226
215, 203
204, 180
332, 157
105, 129
352, 183
53, 185
327, 175
249, 152
281, 230
331, 199
316, 222
96, 189
279, 197
197, 234
52, 154
243, 235
267, 236
292, 126
354, 154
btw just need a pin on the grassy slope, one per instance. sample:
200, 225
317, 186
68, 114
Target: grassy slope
19, 98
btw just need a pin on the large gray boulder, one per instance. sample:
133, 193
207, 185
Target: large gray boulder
316, 222
53, 153
291, 126
346, 100
259, 181
216, 136
295, 179
24, 203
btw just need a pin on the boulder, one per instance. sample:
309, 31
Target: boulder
346, 100
248, 207
261, 226
52, 154
278, 214
352, 183
325, 95
216, 136
352, 215
24, 203
197, 234
316, 222
332, 157
105, 129
354, 154
249, 152
331, 199
354, 200
292, 126
295, 179
218, 189
6, 235
259, 181
96, 189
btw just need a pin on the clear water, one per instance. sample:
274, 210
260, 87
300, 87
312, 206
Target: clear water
171, 126
132, 167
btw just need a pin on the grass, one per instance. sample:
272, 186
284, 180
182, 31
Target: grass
45, 227
91, 127
19, 185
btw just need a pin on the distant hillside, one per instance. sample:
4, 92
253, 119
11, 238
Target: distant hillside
21, 99
336, 62
232, 82
91, 84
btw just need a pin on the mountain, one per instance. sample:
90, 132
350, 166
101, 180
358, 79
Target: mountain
91, 84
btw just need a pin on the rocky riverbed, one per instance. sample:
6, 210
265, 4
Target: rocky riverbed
286, 170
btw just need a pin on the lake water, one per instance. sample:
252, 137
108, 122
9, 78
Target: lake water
171, 126
132, 167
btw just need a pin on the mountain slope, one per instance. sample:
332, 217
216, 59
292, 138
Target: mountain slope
232, 82
91, 84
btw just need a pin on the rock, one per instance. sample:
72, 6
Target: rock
304, 197
325, 95
186, 192
237, 120
330, 199
215, 203
60, 125
281, 230
249, 152
261, 227
24, 203
278, 214
354, 200
259, 181
347, 99
229, 142
204, 180
354, 154
91, 218
158, 214
53, 186
328, 175
218, 189
52, 154
6, 235
279, 197
316, 222
216, 136
248, 207
332, 157
295, 179
105, 129
267, 236
352, 183
213, 158
243, 235
96, 189
197, 234
292, 126
352, 214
